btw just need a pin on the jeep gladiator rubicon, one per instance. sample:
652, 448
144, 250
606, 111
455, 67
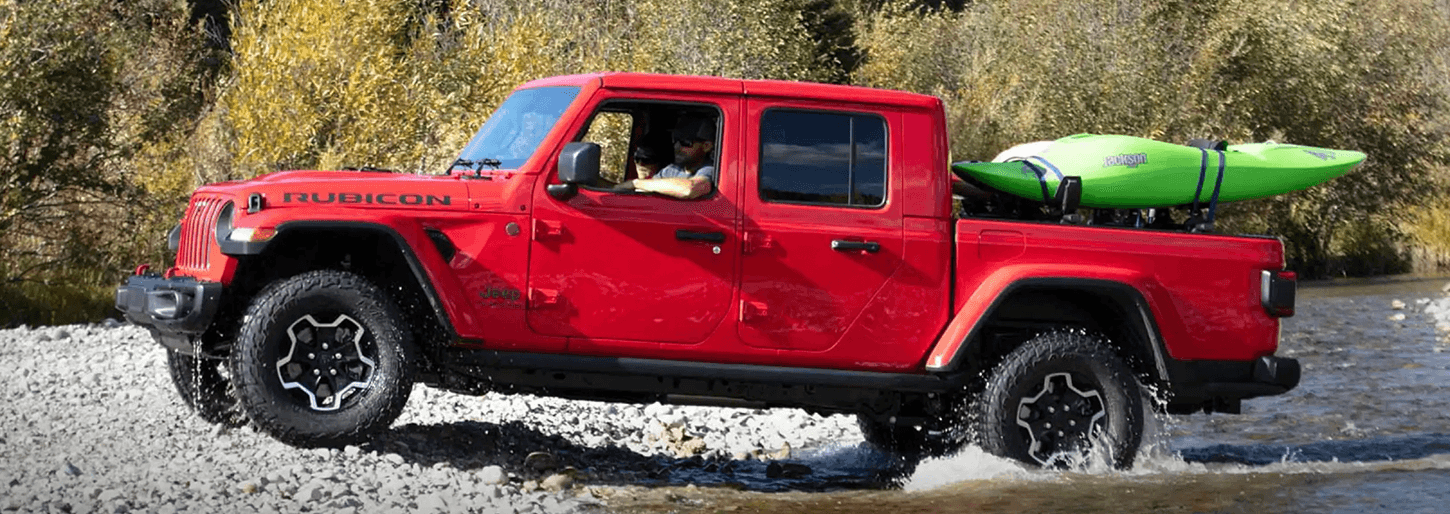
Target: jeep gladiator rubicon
829, 268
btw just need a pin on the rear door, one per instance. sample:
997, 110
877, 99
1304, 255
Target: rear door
822, 229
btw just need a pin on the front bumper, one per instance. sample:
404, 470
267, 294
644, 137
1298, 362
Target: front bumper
177, 311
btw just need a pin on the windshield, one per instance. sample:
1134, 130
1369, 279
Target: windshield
514, 131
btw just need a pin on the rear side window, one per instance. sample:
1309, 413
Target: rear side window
823, 158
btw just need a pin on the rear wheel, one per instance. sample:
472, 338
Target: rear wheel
205, 387
323, 359
1060, 399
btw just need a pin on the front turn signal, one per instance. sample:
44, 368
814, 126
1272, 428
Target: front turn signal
251, 235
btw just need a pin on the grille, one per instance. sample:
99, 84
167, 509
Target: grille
198, 232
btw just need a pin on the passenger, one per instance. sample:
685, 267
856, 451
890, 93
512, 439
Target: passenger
653, 153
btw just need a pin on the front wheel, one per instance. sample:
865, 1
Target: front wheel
323, 359
1059, 399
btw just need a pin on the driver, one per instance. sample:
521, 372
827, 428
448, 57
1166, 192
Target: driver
693, 174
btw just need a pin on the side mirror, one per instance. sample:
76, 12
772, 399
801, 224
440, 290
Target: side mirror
578, 164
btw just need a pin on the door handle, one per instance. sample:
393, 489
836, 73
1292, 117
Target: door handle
842, 245
707, 237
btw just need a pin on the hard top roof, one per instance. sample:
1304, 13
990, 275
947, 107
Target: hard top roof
720, 85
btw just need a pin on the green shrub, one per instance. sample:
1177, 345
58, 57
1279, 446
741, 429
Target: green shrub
87, 87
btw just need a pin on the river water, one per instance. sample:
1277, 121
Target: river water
1367, 430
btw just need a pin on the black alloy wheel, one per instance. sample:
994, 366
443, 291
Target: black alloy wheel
323, 359
1059, 400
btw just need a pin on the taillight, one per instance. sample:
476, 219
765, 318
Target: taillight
1277, 292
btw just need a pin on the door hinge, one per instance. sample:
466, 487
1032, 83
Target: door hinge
547, 229
540, 298
755, 241
751, 311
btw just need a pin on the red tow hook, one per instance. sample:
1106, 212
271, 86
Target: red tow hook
142, 269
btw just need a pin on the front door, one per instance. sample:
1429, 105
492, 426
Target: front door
625, 266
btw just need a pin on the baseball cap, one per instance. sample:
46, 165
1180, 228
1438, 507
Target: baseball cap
694, 129
654, 150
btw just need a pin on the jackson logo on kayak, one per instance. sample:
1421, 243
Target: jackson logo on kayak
367, 198
1323, 156
1131, 160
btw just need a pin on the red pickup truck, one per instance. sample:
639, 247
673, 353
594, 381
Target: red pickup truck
826, 265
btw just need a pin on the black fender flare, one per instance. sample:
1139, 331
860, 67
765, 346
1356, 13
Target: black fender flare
410, 255
1140, 321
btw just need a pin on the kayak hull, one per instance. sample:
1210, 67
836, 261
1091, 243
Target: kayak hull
1125, 172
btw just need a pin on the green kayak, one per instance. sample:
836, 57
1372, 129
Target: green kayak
1125, 172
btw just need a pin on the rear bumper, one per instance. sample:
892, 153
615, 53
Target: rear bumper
1220, 386
175, 310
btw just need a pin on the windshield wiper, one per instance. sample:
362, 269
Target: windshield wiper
477, 166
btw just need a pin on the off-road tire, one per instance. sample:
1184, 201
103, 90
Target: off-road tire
892, 437
205, 389
1062, 377
285, 331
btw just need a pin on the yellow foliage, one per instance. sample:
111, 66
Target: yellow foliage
1429, 229
396, 84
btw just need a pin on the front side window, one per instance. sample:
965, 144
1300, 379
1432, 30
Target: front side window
823, 158
638, 140
514, 131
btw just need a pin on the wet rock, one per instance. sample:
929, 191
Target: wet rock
493, 475
783, 453
690, 447
539, 462
786, 470
1398, 316
557, 482
1397, 305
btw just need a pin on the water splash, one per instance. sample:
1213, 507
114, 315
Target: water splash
972, 463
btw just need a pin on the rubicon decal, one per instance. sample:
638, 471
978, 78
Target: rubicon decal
367, 198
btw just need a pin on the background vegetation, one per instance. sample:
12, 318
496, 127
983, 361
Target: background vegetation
111, 113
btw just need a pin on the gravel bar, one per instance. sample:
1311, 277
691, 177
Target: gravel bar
90, 422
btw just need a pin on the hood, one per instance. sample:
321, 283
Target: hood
360, 189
